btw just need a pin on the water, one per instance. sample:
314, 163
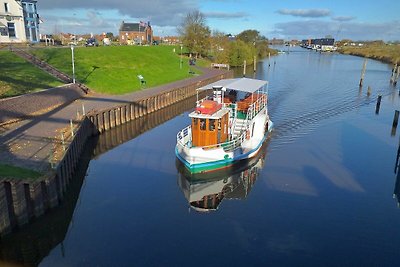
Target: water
320, 193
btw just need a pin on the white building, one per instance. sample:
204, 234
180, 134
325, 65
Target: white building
19, 21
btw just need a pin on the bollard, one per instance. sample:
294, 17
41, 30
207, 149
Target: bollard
72, 127
63, 141
244, 68
255, 64
378, 104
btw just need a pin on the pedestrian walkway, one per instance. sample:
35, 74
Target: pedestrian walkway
29, 143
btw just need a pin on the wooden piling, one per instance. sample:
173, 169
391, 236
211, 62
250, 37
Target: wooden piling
255, 64
396, 118
244, 68
363, 72
378, 104
369, 91
394, 70
269, 59
397, 76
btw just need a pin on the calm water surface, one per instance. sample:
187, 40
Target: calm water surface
320, 193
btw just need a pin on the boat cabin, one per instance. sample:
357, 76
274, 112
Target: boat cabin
209, 124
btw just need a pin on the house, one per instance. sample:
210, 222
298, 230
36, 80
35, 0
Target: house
19, 21
135, 33
172, 40
327, 44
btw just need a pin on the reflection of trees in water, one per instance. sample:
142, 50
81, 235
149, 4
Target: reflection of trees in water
205, 192
46, 208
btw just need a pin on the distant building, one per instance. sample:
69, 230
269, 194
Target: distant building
135, 33
172, 40
19, 21
327, 44
275, 41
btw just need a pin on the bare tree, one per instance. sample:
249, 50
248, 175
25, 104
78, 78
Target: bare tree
194, 33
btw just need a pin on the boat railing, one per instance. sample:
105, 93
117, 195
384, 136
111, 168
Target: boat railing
257, 106
183, 137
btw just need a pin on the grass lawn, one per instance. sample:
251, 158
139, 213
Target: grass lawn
382, 52
114, 69
18, 76
8, 171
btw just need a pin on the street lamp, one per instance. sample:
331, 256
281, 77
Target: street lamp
73, 64
181, 58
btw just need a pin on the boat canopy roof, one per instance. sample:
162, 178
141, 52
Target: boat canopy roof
239, 84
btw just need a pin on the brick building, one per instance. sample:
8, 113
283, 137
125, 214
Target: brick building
135, 33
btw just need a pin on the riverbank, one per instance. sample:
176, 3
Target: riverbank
382, 52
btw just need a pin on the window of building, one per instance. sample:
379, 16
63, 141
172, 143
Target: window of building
11, 29
6, 8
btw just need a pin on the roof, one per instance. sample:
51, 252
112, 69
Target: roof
131, 27
239, 84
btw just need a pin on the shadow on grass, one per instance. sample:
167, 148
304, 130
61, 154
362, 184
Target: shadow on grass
90, 73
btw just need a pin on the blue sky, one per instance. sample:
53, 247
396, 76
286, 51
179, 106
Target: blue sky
287, 19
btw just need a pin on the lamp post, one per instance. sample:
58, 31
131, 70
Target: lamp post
181, 58
73, 64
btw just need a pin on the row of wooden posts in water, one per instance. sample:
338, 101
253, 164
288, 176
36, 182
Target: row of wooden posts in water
393, 80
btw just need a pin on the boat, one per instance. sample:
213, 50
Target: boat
227, 126
205, 191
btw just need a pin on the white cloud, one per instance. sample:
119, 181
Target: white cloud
307, 13
343, 18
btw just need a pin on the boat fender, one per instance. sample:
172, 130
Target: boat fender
247, 134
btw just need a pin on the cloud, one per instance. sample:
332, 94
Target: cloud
307, 13
226, 15
339, 30
343, 18
160, 12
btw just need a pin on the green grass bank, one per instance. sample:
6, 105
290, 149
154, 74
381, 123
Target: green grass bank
383, 52
8, 171
17, 76
115, 69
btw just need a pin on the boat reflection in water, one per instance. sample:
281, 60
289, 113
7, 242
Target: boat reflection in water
205, 191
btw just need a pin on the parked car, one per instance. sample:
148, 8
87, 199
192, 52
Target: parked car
92, 42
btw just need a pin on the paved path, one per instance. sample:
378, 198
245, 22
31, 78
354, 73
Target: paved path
29, 143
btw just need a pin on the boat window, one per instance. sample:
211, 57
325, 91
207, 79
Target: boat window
252, 129
203, 124
219, 124
211, 125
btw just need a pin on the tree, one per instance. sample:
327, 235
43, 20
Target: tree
249, 36
240, 51
194, 33
220, 47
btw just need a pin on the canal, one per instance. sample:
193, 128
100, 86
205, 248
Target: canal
321, 192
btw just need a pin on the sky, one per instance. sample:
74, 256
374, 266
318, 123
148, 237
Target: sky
285, 19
